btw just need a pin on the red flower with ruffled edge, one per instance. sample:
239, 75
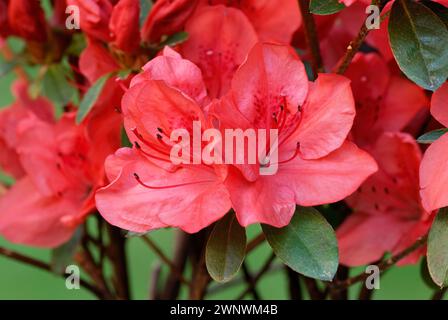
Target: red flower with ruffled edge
147, 191
388, 215
434, 168
316, 164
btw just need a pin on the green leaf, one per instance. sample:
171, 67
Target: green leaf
6, 180
91, 96
438, 9
419, 41
55, 85
225, 249
62, 256
425, 276
145, 8
325, 7
77, 45
6, 67
432, 136
125, 142
438, 249
174, 39
307, 244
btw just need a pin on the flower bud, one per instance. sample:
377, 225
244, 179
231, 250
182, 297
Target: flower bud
124, 25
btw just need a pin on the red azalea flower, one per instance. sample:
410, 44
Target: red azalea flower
166, 18
94, 17
58, 175
147, 191
434, 168
22, 108
52, 198
4, 24
218, 57
385, 102
316, 164
388, 215
27, 20
124, 25
273, 20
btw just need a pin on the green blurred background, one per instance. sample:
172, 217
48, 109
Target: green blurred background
18, 281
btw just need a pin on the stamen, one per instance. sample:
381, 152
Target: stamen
137, 177
148, 144
296, 153
139, 148
291, 132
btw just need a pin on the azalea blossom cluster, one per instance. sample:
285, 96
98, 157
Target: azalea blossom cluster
147, 72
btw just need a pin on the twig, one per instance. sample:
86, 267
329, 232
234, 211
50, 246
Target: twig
313, 290
439, 294
354, 45
257, 277
365, 293
181, 250
240, 280
154, 293
295, 290
341, 275
85, 260
117, 255
386, 264
201, 277
258, 240
165, 259
44, 266
250, 281
311, 37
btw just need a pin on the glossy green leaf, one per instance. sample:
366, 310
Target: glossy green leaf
145, 9
419, 41
438, 9
62, 256
55, 85
225, 249
91, 97
307, 245
174, 39
424, 274
438, 249
325, 7
432, 136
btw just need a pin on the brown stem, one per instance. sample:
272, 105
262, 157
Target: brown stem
341, 275
365, 293
295, 290
154, 293
258, 240
117, 255
354, 45
312, 288
241, 280
181, 250
44, 266
165, 259
439, 294
250, 281
386, 264
200, 278
257, 277
311, 37
85, 260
